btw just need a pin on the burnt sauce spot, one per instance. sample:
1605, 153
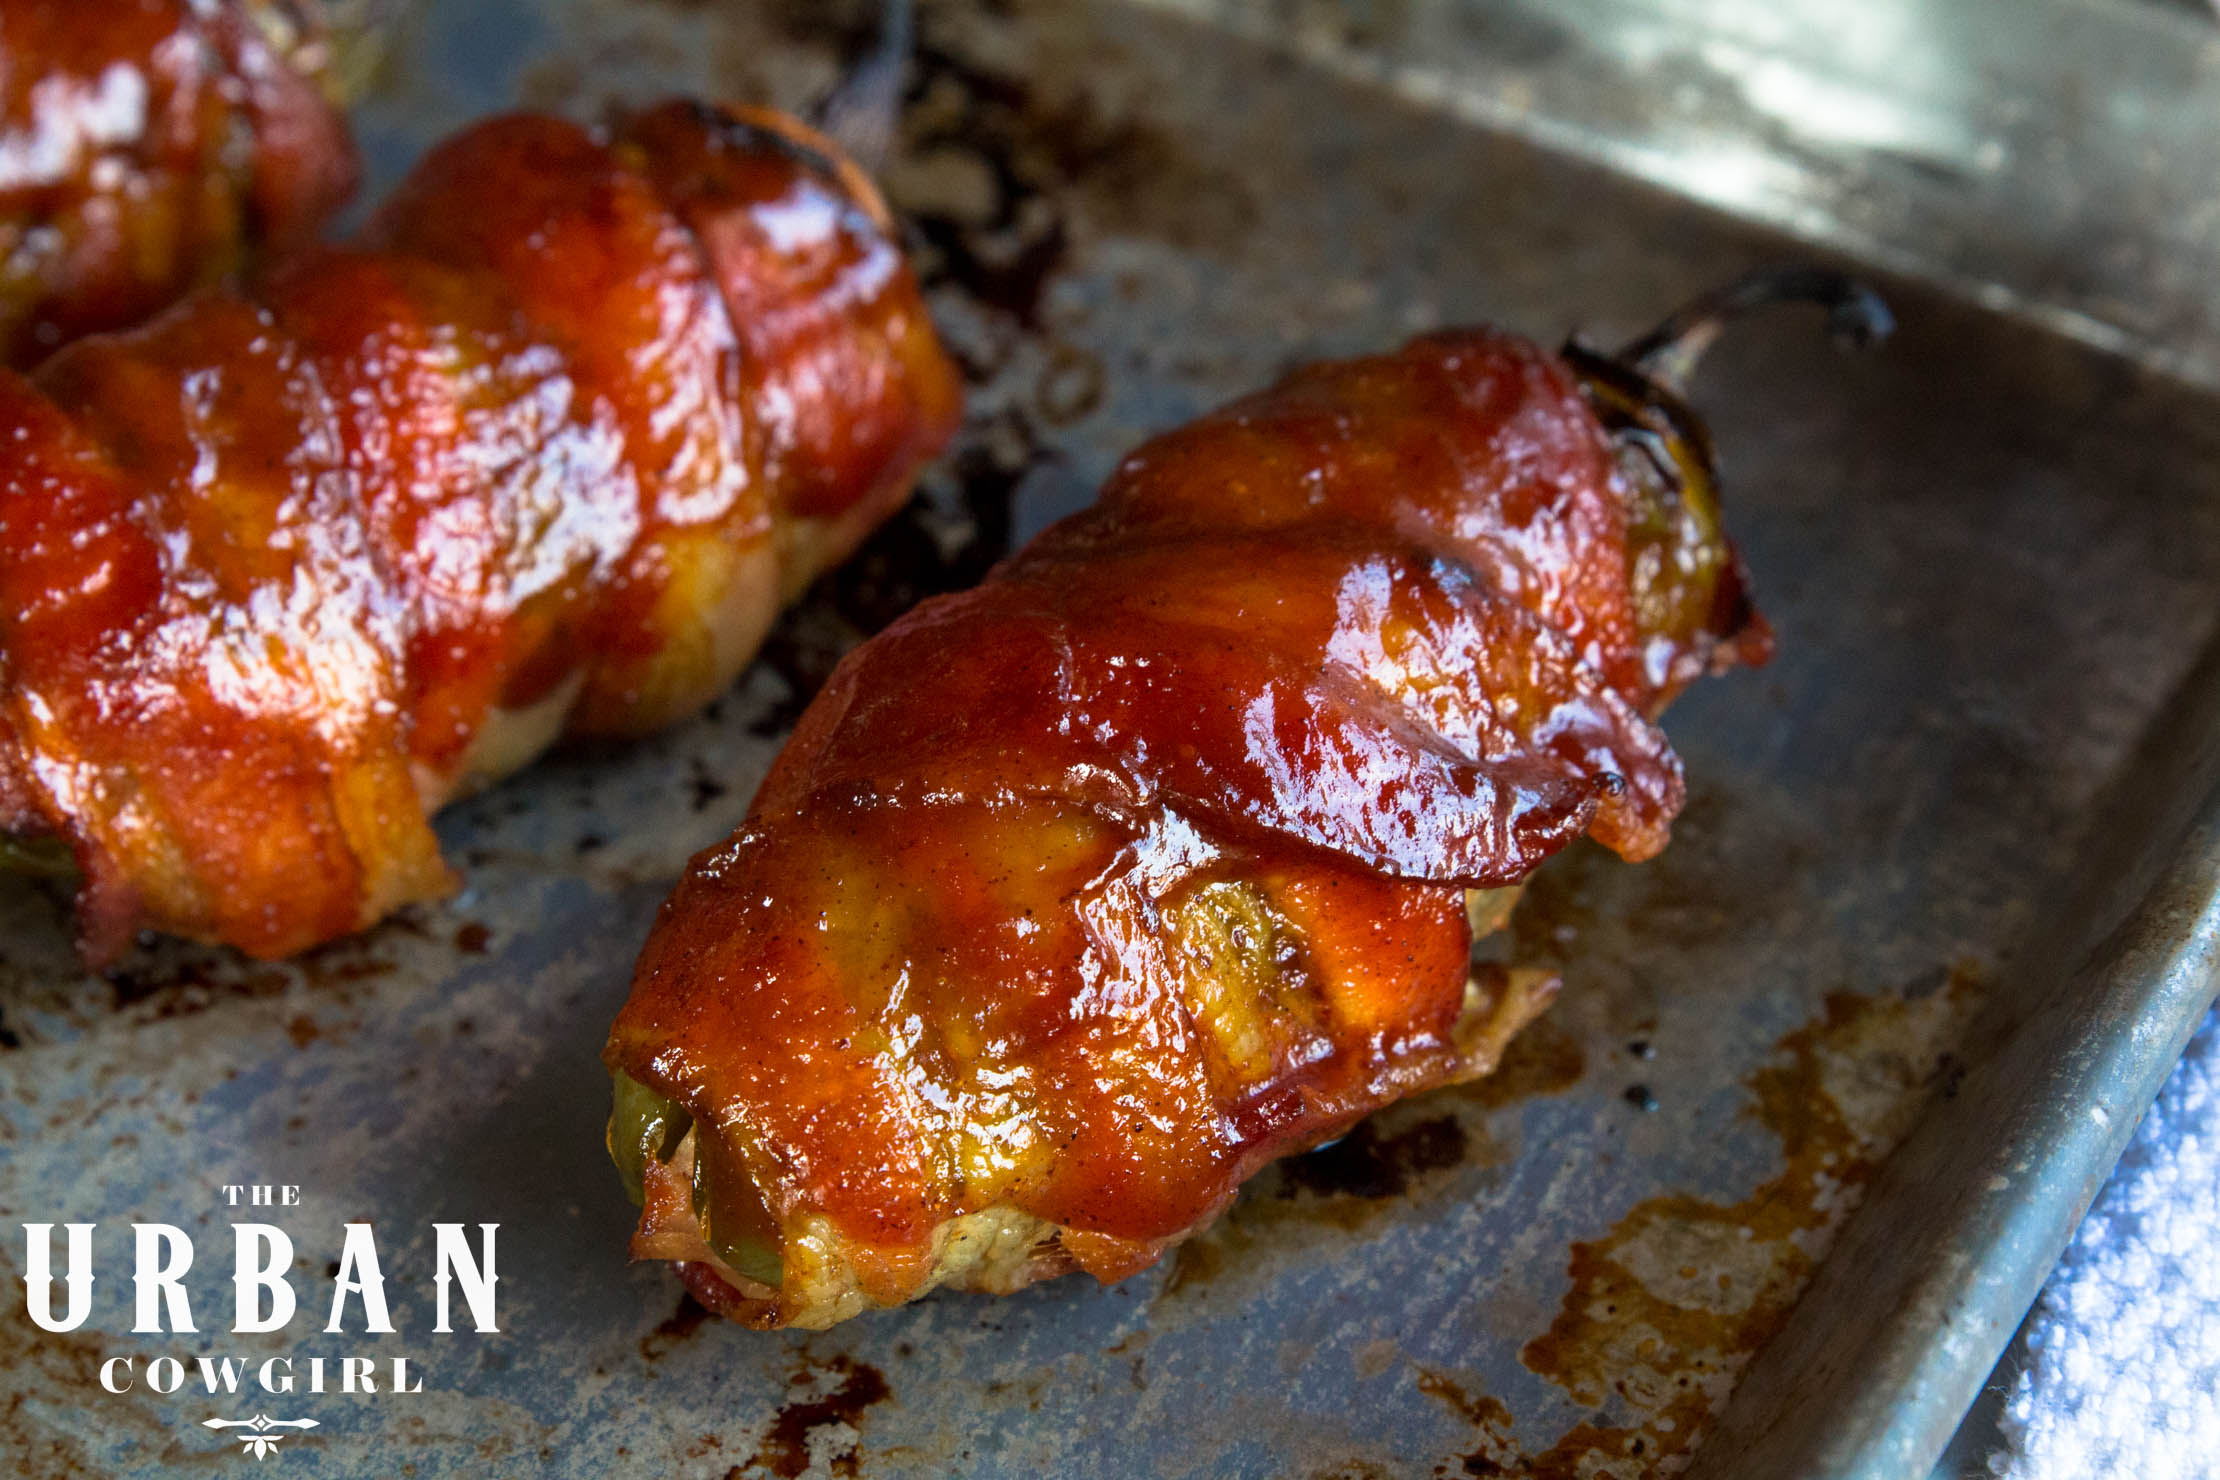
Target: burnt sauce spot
706, 788
128, 986
1012, 277
946, 538
471, 938
183, 987
1365, 1163
979, 181
1049, 143
178, 978
1377, 1167
785, 1449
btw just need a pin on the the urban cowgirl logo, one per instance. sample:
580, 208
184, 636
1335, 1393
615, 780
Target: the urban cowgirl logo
255, 1389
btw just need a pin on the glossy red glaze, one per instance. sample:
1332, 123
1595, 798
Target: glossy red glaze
279, 560
1313, 664
145, 147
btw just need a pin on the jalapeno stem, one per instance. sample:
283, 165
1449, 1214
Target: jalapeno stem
862, 111
1667, 355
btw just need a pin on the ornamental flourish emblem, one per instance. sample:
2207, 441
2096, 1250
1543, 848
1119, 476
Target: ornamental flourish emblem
259, 1441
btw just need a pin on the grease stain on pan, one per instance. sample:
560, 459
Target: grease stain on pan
1667, 1307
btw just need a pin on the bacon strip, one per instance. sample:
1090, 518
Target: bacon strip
540, 455
147, 146
1077, 897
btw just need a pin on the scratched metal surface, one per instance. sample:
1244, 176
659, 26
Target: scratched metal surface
1989, 553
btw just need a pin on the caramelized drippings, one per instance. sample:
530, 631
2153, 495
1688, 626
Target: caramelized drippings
1666, 1309
785, 1448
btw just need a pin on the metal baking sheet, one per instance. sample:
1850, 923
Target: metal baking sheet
1989, 552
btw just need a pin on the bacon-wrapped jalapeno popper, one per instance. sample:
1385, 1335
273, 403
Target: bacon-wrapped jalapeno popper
541, 455
147, 146
1076, 897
